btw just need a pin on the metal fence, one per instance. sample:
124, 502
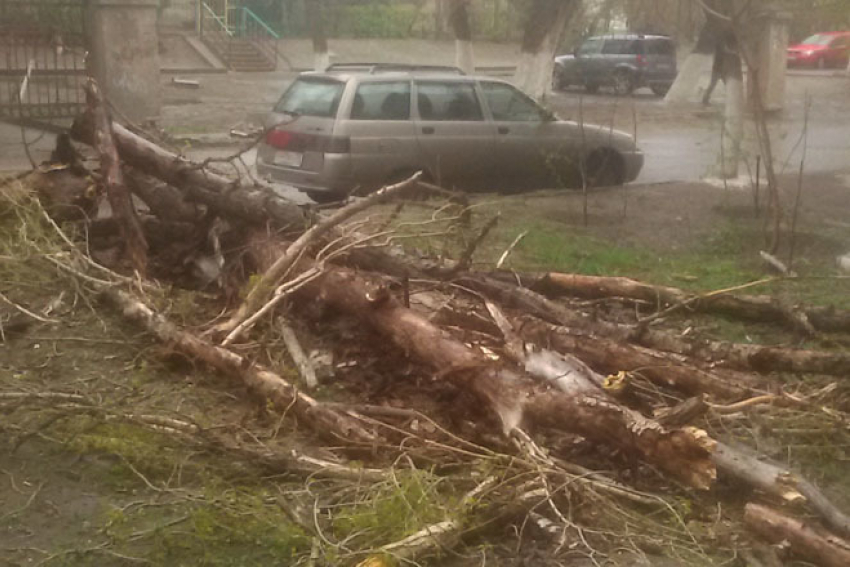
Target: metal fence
42, 58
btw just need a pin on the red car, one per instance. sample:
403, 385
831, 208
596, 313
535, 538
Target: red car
822, 50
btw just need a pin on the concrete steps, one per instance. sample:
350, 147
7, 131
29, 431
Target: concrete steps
242, 54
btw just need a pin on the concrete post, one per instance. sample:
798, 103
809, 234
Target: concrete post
769, 58
124, 55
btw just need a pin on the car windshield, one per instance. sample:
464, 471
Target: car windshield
817, 39
311, 97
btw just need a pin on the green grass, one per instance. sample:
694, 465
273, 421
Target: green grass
389, 511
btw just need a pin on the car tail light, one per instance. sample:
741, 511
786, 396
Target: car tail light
641, 60
278, 138
298, 142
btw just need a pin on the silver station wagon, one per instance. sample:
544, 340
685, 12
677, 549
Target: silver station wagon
355, 128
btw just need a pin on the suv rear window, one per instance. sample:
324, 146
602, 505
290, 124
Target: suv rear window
660, 47
311, 97
382, 101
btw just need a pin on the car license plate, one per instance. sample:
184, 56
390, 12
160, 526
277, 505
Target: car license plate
288, 159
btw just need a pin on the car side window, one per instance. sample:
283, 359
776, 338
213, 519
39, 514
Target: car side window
448, 101
621, 47
382, 101
590, 47
508, 104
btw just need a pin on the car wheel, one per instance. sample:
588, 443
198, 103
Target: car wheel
660, 90
624, 83
604, 168
591, 88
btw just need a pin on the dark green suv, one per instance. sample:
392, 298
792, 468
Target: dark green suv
624, 62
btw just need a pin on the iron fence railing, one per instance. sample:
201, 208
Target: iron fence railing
42, 41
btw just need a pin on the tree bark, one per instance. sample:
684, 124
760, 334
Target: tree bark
544, 26
738, 356
612, 356
508, 395
325, 421
265, 286
135, 245
686, 86
806, 541
254, 202
733, 115
166, 202
761, 308
459, 20
779, 481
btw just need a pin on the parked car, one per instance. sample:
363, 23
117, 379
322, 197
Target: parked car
625, 62
822, 50
358, 127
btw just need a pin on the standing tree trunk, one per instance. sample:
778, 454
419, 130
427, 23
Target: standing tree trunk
686, 87
544, 26
733, 112
439, 19
321, 56
459, 19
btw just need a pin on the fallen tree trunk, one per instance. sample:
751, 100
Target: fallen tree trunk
508, 395
262, 290
135, 245
611, 356
760, 308
163, 200
805, 541
254, 202
735, 463
779, 481
323, 420
731, 355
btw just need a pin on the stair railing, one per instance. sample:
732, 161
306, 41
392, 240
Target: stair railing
253, 28
242, 24
215, 32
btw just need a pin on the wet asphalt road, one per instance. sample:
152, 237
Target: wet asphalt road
680, 143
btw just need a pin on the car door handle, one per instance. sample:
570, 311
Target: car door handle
504, 130
428, 130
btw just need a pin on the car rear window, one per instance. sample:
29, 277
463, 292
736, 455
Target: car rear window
660, 47
448, 102
311, 97
507, 104
382, 101
817, 39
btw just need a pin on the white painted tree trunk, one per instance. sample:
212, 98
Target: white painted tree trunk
692, 80
461, 26
321, 60
534, 72
543, 31
733, 127
465, 56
